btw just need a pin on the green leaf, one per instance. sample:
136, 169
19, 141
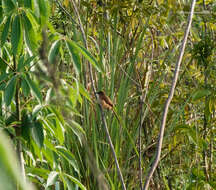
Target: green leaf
3, 77
3, 65
8, 6
49, 95
20, 61
25, 88
16, 35
30, 35
34, 88
60, 132
54, 50
10, 175
2, 86
36, 110
69, 157
1, 12
5, 31
75, 56
21, 65
85, 53
27, 124
44, 11
84, 92
74, 180
38, 171
52, 178
10, 91
58, 114
200, 94
78, 130
32, 19
28, 4
37, 133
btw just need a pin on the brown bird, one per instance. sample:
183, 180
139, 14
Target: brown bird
106, 103
105, 100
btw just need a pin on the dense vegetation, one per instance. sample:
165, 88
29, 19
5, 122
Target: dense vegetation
55, 53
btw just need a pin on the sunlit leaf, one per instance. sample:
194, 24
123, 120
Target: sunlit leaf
44, 11
36, 109
60, 132
48, 95
32, 19
52, 178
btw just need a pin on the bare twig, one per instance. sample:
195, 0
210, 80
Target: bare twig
101, 110
171, 93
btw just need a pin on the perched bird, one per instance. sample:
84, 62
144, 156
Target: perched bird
106, 103
104, 100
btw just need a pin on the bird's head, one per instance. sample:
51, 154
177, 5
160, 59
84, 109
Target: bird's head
100, 93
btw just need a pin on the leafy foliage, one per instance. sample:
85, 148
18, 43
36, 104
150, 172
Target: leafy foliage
48, 104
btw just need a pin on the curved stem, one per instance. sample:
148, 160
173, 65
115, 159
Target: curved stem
171, 93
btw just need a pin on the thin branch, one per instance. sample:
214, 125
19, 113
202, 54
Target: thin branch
171, 93
205, 123
140, 143
101, 110
129, 77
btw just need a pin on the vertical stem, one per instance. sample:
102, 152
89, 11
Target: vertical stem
205, 123
18, 128
211, 155
140, 144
